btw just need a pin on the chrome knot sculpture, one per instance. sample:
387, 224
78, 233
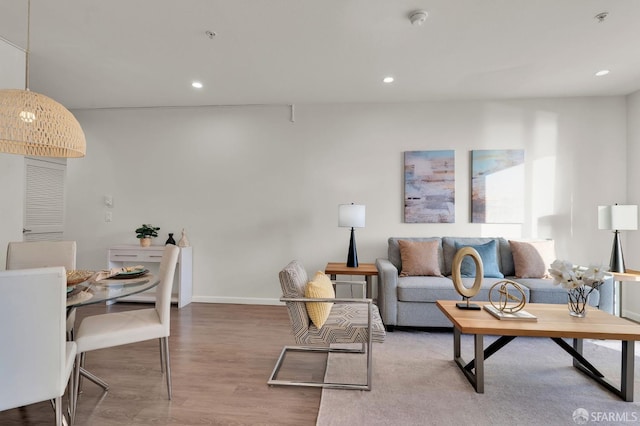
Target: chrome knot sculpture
507, 296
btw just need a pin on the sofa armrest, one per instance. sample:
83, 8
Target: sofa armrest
387, 291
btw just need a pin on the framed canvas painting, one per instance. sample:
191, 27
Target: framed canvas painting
429, 186
497, 186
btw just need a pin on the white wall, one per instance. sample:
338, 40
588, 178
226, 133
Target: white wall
12, 63
255, 190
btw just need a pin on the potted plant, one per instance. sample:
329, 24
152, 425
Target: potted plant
145, 233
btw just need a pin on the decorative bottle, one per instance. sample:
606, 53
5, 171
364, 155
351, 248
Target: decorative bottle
184, 241
170, 240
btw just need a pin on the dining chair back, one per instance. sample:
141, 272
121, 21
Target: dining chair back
42, 254
121, 328
35, 359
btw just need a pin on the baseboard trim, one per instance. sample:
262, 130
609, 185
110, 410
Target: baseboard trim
236, 300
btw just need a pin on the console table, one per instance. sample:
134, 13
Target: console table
130, 255
619, 277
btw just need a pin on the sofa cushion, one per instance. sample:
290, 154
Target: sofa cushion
319, 287
394, 250
488, 253
419, 258
532, 259
487, 283
425, 289
544, 291
449, 250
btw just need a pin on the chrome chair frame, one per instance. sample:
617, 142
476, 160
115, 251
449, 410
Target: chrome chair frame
366, 347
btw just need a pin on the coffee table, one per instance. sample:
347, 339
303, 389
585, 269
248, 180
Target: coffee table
553, 322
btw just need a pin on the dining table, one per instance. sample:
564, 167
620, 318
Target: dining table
94, 291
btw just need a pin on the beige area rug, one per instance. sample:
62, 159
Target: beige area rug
531, 381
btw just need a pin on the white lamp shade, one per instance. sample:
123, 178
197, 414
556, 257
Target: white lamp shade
351, 215
618, 217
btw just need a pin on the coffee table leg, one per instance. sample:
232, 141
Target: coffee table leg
476, 378
479, 355
626, 370
626, 376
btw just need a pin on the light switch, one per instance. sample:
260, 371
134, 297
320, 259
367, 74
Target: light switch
108, 200
108, 216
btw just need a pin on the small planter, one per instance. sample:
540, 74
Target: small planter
145, 233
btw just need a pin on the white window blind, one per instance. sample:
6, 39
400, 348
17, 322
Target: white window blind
44, 200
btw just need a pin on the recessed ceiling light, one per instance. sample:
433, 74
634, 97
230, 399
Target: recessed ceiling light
197, 84
602, 72
388, 79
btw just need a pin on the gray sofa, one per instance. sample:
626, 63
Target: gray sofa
410, 301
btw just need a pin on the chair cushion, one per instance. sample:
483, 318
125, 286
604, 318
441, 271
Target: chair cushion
488, 253
119, 328
319, 287
293, 279
419, 258
532, 259
347, 323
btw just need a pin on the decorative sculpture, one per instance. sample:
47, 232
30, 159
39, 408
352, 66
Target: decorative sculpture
507, 301
184, 242
465, 292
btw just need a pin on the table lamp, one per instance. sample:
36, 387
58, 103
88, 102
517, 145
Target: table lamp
617, 218
351, 216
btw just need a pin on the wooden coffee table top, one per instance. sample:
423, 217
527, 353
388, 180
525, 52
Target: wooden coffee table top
553, 321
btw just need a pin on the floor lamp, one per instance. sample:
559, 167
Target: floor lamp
351, 216
617, 218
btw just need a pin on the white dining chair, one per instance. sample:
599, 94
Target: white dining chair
121, 328
42, 254
36, 361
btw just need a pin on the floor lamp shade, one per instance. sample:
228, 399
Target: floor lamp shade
351, 216
617, 218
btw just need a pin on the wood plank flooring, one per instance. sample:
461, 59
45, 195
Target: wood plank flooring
221, 358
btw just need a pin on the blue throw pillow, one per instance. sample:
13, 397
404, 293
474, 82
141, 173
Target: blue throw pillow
488, 253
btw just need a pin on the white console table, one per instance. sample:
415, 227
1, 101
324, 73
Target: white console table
130, 255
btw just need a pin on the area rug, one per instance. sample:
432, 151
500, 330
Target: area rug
529, 381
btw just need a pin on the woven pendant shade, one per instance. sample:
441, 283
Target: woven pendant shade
34, 124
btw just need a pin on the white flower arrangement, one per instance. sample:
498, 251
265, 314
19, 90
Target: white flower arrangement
576, 279
571, 276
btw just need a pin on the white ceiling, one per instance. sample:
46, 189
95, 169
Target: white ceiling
130, 53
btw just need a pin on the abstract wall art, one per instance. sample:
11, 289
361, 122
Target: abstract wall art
429, 186
497, 186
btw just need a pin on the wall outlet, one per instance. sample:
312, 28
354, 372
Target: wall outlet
108, 216
108, 200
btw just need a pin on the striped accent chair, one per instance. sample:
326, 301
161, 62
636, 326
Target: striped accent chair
350, 321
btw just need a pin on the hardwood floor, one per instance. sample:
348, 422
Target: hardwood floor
221, 358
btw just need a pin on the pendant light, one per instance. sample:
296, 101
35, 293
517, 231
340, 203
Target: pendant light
34, 124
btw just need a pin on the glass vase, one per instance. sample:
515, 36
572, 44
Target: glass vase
578, 298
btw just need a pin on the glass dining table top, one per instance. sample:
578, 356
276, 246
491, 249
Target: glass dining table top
90, 292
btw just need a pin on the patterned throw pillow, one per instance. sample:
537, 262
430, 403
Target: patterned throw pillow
488, 253
319, 287
532, 259
419, 258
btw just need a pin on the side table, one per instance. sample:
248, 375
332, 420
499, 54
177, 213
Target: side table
619, 277
368, 270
